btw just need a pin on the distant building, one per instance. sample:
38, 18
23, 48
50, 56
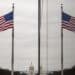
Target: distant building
31, 70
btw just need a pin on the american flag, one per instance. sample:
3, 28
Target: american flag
68, 22
6, 21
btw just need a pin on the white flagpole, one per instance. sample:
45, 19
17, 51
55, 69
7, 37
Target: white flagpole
47, 35
12, 57
61, 42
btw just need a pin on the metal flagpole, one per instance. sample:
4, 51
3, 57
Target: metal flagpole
61, 43
39, 25
12, 57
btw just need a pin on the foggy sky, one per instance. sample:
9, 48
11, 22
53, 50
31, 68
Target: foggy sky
25, 23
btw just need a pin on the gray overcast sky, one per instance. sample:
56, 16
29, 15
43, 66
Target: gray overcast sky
26, 35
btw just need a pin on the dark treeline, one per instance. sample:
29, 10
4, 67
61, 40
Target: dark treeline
66, 72
8, 72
